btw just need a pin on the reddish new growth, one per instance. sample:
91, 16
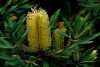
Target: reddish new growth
61, 25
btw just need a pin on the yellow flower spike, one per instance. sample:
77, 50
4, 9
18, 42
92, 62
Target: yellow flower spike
39, 31
14, 17
94, 52
58, 39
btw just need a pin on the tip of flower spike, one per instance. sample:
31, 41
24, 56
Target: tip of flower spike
61, 25
35, 11
94, 51
40, 10
14, 17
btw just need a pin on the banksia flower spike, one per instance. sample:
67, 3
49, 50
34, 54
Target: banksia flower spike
58, 39
94, 52
39, 31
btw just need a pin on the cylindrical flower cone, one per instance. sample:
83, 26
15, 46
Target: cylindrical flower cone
58, 39
39, 31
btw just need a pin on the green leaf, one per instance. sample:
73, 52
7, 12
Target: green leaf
91, 37
79, 24
5, 44
83, 21
91, 6
21, 31
54, 19
86, 29
5, 24
63, 33
5, 57
87, 61
86, 40
19, 11
11, 23
23, 36
19, 23
80, 42
10, 10
15, 62
27, 6
67, 23
87, 52
88, 58
76, 24
8, 2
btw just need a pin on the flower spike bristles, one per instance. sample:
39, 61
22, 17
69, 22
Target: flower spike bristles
39, 36
58, 39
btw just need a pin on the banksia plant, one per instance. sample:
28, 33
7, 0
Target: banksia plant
39, 31
58, 39
25, 39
